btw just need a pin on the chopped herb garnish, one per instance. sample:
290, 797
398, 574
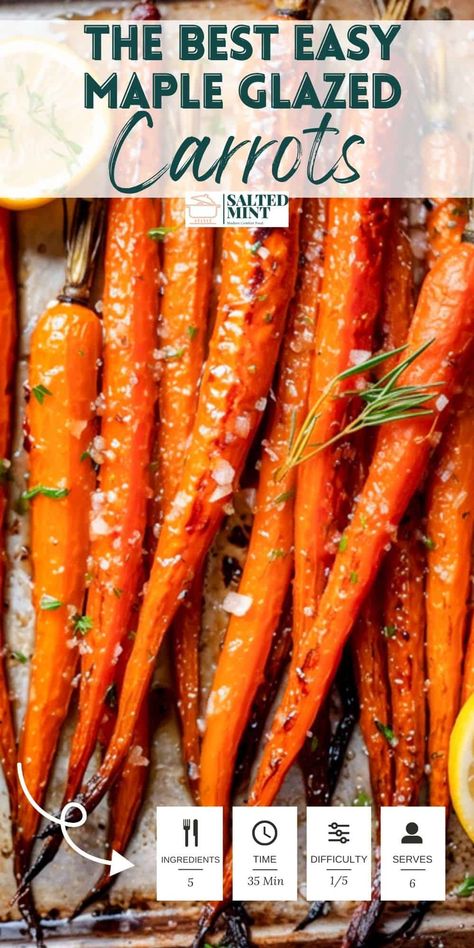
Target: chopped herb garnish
117, 592
82, 624
466, 888
389, 631
20, 657
256, 246
159, 233
85, 456
343, 543
276, 554
314, 743
383, 402
354, 577
282, 498
192, 332
262, 297
362, 799
55, 492
428, 542
40, 392
49, 603
387, 733
268, 318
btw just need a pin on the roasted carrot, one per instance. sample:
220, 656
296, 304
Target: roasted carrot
404, 630
370, 658
269, 564
7, 354
444, 323
187, 272
65, 352
350, 300
370, 664
123, 449
449, 534
119, 510
445, 226
258, 274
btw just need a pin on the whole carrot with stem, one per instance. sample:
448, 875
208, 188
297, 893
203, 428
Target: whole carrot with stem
65, 352
269, 564
449, 535
7, 356
187, 274
258, 274
119, 508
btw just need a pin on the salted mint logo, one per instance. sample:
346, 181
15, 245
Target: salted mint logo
236, 208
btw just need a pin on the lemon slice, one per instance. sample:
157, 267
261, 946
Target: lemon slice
461, 767
47, 142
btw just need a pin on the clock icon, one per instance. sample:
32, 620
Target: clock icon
264, 832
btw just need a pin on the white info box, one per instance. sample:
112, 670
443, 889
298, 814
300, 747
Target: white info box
189, 853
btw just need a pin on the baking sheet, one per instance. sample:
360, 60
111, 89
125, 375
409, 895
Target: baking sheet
40, 267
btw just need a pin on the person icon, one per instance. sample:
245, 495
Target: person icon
412, 835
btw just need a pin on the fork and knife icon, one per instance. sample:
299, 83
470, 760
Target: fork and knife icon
187, 827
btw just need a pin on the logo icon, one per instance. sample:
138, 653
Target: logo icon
264, 832
202, 209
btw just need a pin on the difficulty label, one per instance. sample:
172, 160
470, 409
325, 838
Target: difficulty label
189, 853
265, 853
339, 847
413, 843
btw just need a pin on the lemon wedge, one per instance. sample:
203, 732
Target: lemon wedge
461, 767
47, 142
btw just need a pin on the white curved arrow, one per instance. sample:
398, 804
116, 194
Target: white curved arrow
117, 862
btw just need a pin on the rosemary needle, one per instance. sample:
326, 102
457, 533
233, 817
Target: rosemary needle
383, 402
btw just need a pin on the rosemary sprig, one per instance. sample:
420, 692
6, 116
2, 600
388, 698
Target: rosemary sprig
383, 401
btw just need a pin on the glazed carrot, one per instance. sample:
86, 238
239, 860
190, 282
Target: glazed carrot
370, 658
397, 308
119, 506
350, 300
445, 226
258, 274
7, 354
265, 695
187, 272
404, 630
449, 535
269, 564
65, 351
370, 665
444, 319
